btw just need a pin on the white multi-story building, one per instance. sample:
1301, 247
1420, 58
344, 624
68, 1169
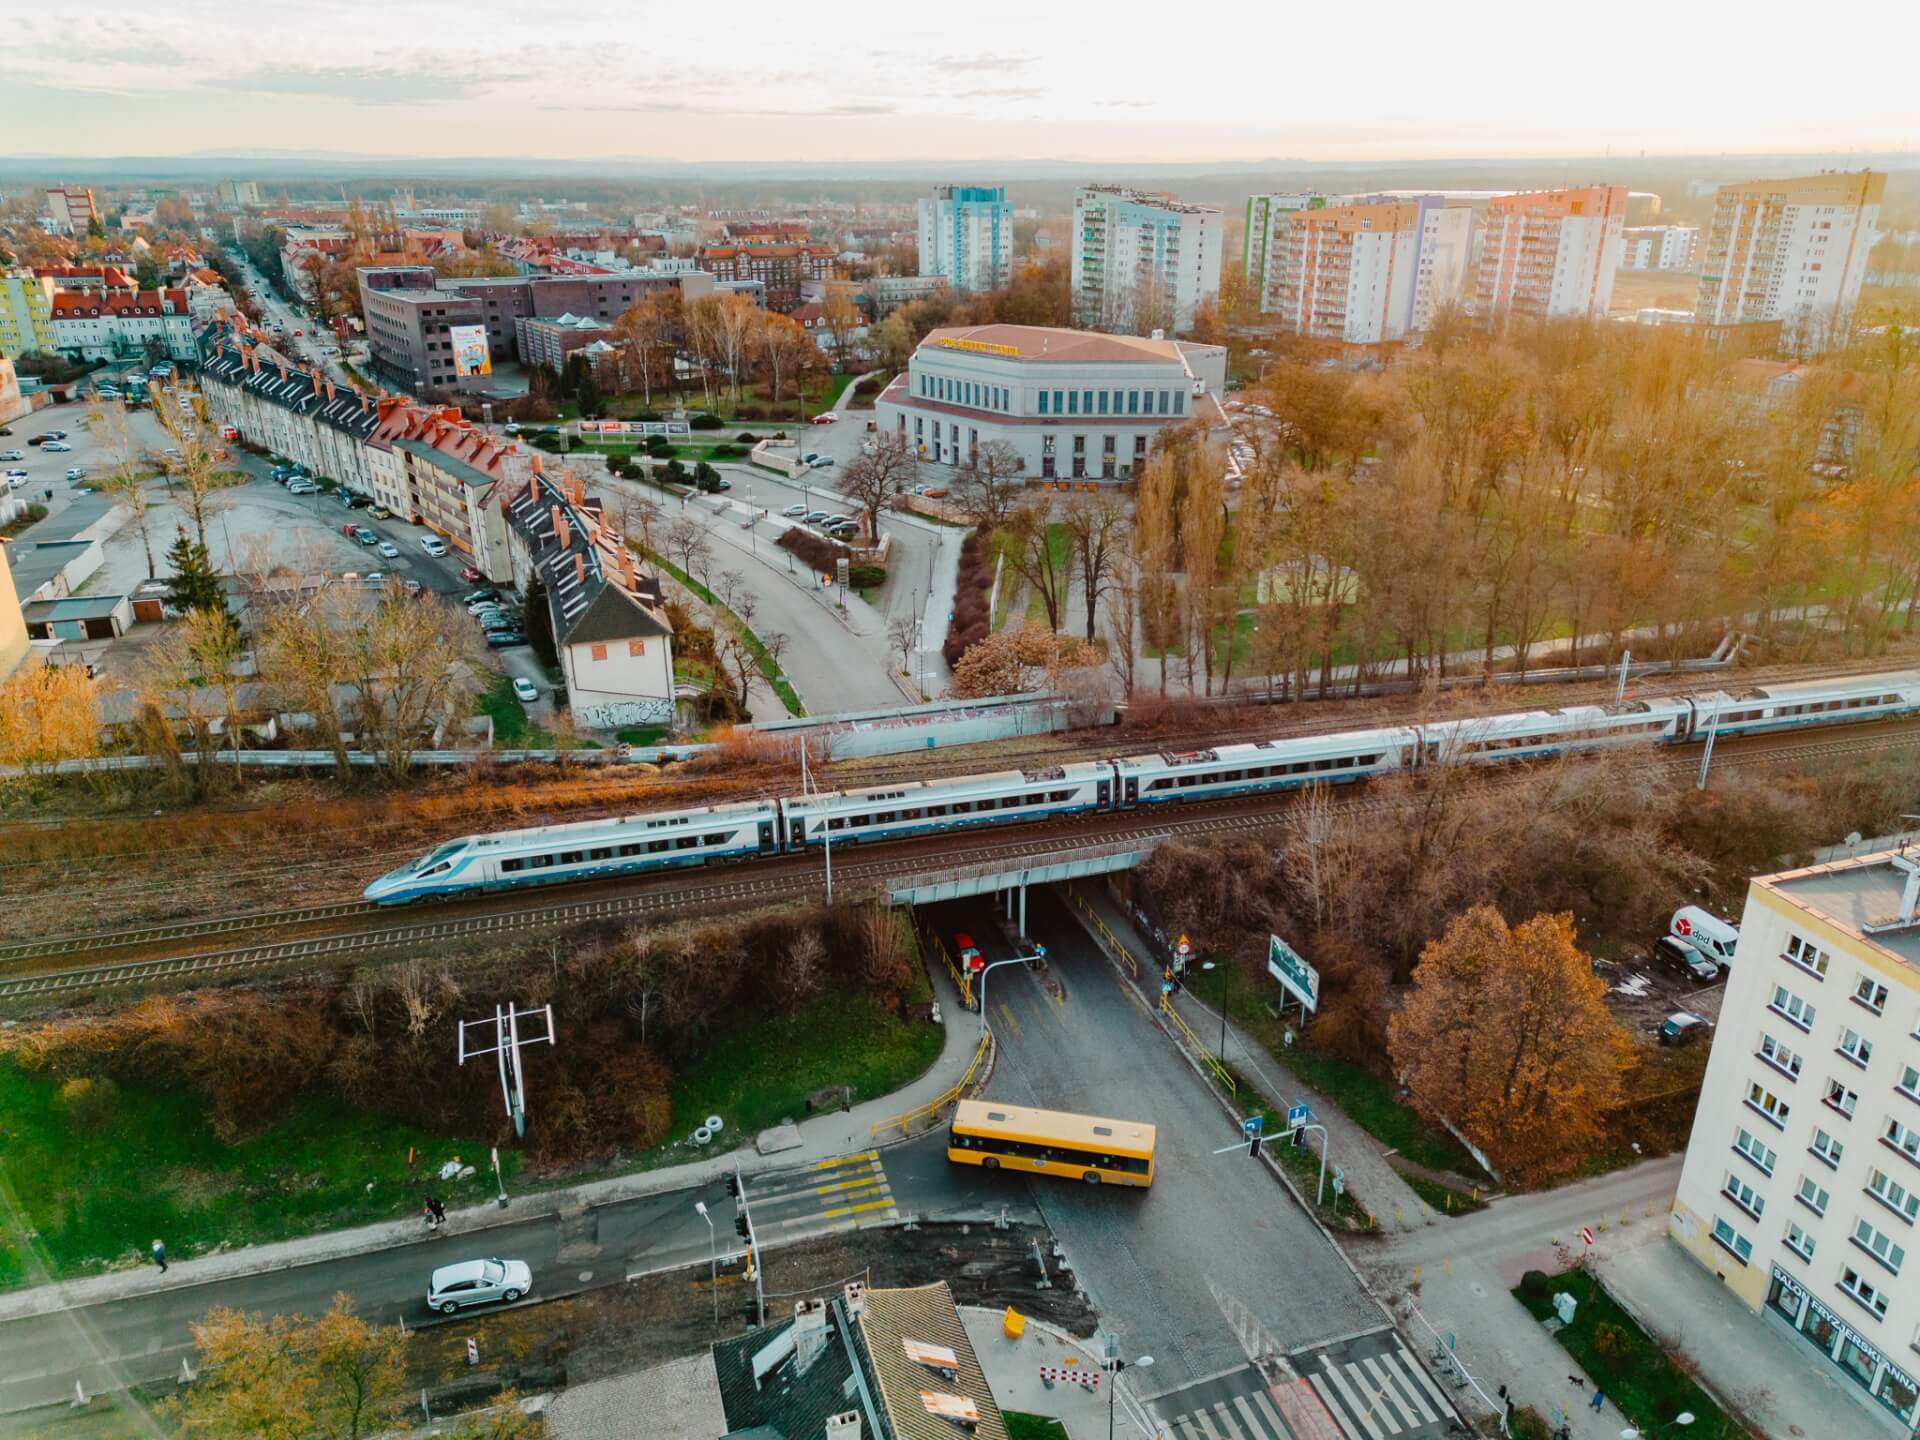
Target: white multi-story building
966, 236
1356, 269
115, 324
1071, 403
1548, 254
1142, 262
1792, 251
70, 209
1801, 1187
1658, 247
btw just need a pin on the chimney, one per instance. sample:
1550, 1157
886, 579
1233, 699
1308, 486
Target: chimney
856, 1292
809, 1315
580, 567
845, 1426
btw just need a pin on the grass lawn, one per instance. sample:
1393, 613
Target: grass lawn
782, 688
1057, 558
1366, 1098
1443, 1199
511, 728
153, 1167
1022, 1426
763, 1072
1625, 1362
641, 735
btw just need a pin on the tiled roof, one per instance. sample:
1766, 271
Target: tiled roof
897, 1324
89, 304
250, 366
594, 589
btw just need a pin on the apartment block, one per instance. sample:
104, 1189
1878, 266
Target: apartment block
410, 325
109, 325
1549, 254
1346, 273
507, 300
1659, 247
26, 313
240, 194
1142, 262
1793, 251
780, 268
965, 235
70, 208
1801, 1185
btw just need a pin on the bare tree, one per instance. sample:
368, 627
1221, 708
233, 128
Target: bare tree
194, 467
879, 479
990, 483
687, 541
1123, 618
1097, 531
409, 663
127, 480
902, 632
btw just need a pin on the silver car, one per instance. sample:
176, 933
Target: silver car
477, 1282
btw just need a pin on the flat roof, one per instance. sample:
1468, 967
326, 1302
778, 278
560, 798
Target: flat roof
1859, 896
74, 607
1053, 344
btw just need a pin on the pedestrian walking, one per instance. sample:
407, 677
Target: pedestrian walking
1598, 1397
439, 1208
160, 1256
426, 1214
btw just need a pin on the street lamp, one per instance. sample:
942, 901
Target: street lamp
713, 1261
1226, 990
1039, 953
1115, 1366
1679, 1422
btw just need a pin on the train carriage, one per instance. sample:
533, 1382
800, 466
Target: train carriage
1262, 766
584, 850
918, 807
1796, 705
1536, 734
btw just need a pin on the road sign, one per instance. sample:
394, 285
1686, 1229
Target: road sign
1299, 978
1181, 947
1586, 1234
1296, 1116
1252, 1125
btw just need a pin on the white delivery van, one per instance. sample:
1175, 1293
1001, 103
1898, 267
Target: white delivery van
1705, 932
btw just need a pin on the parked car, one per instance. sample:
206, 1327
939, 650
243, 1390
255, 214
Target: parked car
814, 517
366, 536
37, 439
485, 592
16, 478
389, 550
434, 546
57, 445
56, 434
525, 689
792, 512
825, 417
1684, 960
13, 454
380, 512
1682, 1028
414, 587
302, 487
471, 572
502, 639
821, 462
350, 530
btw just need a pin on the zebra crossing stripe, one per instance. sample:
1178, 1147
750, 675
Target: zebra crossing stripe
1271, 1416
1356, 1411
1419, 1373
1201, 1422
1251, 1420
1396, 1387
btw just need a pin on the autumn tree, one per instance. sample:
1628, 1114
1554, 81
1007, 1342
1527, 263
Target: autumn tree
1036, 553
286, 1377
990, 483
841, 311
48, 713
1505, 1034
409, 666
193, 469
302, 650
880, 479
648, 333
1015, 661
1096, 524
725, 326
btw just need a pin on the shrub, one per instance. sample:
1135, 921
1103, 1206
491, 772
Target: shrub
867, 577
659, 446
88, 1102
727, 452
1612, 1342
1535, 1285
819, 552
1527, 1423
747, 437
707, 422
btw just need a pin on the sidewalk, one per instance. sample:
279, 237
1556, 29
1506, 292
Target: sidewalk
822, 1137
1012, 1368
1369, 1178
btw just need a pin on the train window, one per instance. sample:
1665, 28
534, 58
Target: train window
686, 842
934, 812
1059, 797
539, 862
571, 857
716, 839
1161, 785
605, 852
962, 807
634, 849
507, 867
656, 847
909, 814
1188, 780
836, 823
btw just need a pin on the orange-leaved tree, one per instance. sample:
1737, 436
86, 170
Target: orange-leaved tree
1506, 1036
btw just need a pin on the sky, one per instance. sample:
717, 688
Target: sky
1126, 80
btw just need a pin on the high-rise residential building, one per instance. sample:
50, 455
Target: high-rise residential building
966, 235
26, 313
1793, 251
1435, 242
1346, 273
1142, 262
240, 194
71, 209
1546, 254
1801, 1186
1658, 247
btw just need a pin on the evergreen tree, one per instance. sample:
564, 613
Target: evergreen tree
540, 622
193, 585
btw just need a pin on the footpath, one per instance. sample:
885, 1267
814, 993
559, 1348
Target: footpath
821, 1137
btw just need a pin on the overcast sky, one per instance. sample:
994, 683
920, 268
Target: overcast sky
1123, 80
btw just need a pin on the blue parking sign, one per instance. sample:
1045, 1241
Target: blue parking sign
1250, 1126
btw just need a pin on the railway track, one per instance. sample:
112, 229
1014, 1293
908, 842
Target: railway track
752, 883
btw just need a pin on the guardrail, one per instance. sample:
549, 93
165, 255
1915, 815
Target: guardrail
905, 1122
366, 759
1104, 937
962, 981
1207, 1057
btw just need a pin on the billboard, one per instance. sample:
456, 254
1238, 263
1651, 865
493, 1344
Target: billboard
470, 354
1301, 980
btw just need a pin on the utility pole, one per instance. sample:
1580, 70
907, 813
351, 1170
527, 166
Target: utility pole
713, 1261
807, 787
743, 1226
507, 1043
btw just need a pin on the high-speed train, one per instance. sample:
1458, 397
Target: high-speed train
591, 849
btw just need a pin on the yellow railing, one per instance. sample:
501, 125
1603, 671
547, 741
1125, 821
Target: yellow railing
904, 1123
1207, 1057
1107, 939
962, 981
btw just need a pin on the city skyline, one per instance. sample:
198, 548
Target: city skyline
478, 79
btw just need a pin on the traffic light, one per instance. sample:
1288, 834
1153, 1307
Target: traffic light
1299, 1136
1253, 1147
733, 1186
740, 1226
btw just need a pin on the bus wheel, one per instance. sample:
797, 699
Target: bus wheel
989, 1163
1093, 1177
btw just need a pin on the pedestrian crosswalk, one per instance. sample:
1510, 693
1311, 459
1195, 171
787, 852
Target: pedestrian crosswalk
1369, 1388
839, 1194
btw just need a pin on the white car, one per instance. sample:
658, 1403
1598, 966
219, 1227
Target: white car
434, 546
525, 689
13, 454
16, 478
794, 512
58, 447
476, 1282
302, 487
76, 473
389, 550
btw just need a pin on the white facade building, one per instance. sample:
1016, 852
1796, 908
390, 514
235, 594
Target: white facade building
1549, 254
1142, 262
1291, 235
1658, 247
966, 236
1445, 260
96, 325
1072, 404
1801, 1188
1794, 251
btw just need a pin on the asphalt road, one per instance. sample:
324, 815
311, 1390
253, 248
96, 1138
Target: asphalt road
145, 1337
1214, 1231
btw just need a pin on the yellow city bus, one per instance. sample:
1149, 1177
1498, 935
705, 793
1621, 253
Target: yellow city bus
991, 1134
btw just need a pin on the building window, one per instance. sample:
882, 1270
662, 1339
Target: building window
1863, 1290
1743, 1195
1841, 1098
1856, 1047
636, 647
1133, 402
1871, 993
1073, 402
1896, 1197
1826, 1147
1057, 396
1799, 1241
1807, 955
1732, 1241
1750, 1146
1103, 402
1768, 1104
1791, 1007
599, 652
1163, 402
1043, 402
1812, 1196
1904, 1139
1909, 1082
1179, 402
1779, 1056
1879, 1244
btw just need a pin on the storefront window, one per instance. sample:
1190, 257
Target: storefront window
1857, 1361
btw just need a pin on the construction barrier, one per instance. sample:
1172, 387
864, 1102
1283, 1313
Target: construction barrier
1086, 1379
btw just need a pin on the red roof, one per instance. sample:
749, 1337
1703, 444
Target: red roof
85, 305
